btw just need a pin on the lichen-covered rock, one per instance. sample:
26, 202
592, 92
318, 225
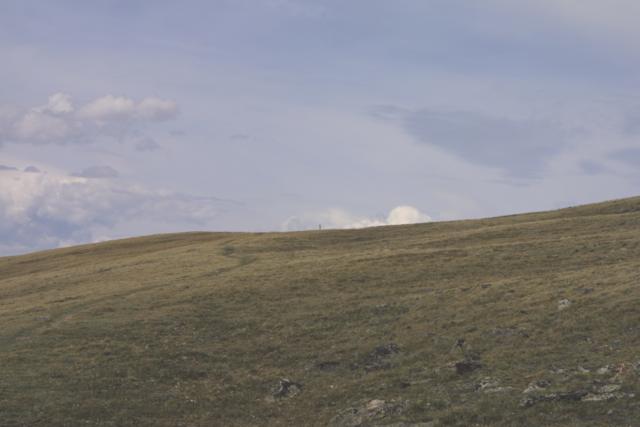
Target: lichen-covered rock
536, 386
563, 304
531, 399
286, 388
491, 385
368, 413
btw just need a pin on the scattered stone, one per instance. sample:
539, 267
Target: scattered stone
563, 304
490, 385
486, 384
536, 386
570, 396
527, 401
368, 412
286, 388
605, 370
609, 388
421, 424
595, 397
583, 370
605, 392
375, 405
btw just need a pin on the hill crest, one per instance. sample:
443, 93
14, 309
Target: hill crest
525, 319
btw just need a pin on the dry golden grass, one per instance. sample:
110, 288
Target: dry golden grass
196, 329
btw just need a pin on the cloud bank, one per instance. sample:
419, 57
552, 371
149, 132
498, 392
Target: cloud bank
48, 210
339, 218
98, 172
60, 122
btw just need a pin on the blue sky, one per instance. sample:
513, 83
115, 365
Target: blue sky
137, 117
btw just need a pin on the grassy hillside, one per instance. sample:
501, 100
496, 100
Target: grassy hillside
521, 320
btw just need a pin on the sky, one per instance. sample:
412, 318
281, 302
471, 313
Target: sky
124, 117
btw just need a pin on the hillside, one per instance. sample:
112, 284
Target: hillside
522, 320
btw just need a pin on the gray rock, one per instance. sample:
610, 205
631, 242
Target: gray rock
490, 385
563, 304
536, 386
598, 397
606, 392
609, 388
368, 413
420, 424
527, 401
286, 388
568, 396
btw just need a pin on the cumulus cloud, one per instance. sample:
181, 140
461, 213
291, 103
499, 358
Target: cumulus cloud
60, 122
47, 210
59, 103
406, 215
98, 172
115, 108
109, 108
41, 127
339, 218
157, 109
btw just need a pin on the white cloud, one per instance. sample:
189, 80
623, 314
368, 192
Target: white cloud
109, 108
339, 218
115, 108
47, 210
40, 127
59, 103
58, 121
406, 215
157, 109
98, 172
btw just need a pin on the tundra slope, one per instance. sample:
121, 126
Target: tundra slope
520, 320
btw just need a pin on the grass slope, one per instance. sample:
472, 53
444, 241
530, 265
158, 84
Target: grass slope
198, 329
